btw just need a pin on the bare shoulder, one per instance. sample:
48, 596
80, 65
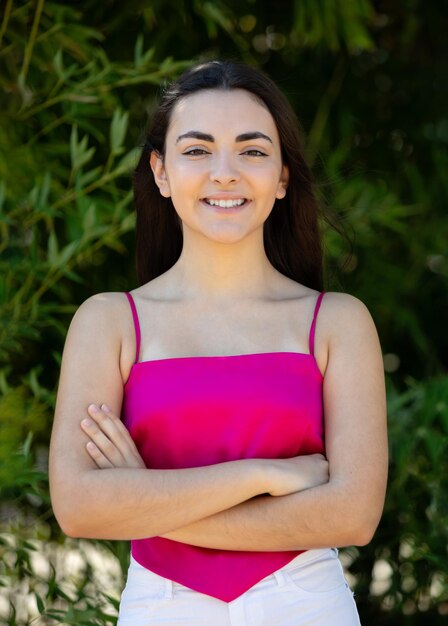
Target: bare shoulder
103, 323
102, 306
342, 313
106, 312
343, 302
349, 332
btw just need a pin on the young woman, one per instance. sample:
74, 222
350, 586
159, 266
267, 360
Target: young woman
226, 416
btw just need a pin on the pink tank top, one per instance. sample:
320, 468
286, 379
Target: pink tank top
201, 410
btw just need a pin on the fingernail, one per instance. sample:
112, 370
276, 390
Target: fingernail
105, 408
86, 422
93, 408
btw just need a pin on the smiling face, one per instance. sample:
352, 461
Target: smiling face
222, 166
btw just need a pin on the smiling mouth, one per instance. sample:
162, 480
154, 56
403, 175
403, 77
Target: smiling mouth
226, 204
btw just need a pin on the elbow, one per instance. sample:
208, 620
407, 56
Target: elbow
354, 535
363, 529
363, 536
359, 519
360, 513
68, 519
67, 522
77, 527
69, 511
70, 530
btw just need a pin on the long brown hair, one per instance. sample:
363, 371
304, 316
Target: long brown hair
291, 233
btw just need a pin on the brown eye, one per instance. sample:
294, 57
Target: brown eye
255, 153
195, 152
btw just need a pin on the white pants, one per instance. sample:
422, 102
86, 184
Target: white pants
310, 590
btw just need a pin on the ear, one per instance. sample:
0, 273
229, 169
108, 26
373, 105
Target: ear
282, 183
158, 169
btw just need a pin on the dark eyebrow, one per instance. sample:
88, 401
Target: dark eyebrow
196, 134
254, 135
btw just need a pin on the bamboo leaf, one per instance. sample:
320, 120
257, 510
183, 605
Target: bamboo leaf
40, 603
52, 249
42, 201
118, 129
138, 51
89, 219
58, 64
86, 178
129, 161
79, 151
67, 253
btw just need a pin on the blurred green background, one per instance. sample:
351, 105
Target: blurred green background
77, 83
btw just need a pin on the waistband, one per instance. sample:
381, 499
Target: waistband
167, 587
304, 558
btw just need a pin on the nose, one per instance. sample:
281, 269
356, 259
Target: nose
224, 170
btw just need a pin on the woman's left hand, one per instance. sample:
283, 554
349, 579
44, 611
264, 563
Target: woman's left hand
110, 443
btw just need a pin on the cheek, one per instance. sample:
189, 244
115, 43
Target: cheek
267, 181
185, 175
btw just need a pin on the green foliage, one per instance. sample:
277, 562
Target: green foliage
68, 582
334, 23
65, 197
66, 179
53, 587
406, 567
77, 83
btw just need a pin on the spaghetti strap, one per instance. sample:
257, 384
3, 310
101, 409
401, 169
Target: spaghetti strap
313, 323
136, 325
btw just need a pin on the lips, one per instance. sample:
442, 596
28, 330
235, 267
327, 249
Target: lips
225, 203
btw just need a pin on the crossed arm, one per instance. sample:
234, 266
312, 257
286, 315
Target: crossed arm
217, 507
321, 515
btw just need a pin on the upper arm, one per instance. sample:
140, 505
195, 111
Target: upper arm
90, 372
355, 405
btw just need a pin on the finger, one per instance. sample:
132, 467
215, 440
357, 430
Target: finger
110, 426
95, 453
121, 429
102, 442
116, 431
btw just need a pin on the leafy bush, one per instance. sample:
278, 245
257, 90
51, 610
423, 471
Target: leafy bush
404, 570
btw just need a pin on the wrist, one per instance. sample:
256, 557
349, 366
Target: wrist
261, 476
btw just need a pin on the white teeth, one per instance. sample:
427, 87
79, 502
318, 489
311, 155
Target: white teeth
225, 204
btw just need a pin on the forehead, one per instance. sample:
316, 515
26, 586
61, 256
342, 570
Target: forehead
231, 111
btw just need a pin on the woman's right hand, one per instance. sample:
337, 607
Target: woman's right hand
287, 476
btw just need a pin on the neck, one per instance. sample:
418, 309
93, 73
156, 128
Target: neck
223, 272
